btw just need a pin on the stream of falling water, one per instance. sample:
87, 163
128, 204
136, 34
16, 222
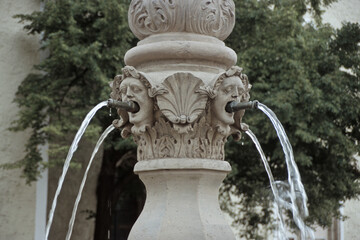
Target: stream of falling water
98, 144
72, 149
295, 187
281, 233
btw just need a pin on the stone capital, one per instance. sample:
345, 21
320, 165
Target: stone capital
181, 115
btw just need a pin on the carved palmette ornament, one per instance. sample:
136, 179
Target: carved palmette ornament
209, 17
182, 102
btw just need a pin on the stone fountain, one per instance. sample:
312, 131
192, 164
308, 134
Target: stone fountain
182, 76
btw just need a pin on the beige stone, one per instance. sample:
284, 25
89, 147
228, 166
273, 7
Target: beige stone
209, 17
182, 76
182, 115
190, 53
182, 200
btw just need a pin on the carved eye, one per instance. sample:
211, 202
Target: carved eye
136, 89
228, 89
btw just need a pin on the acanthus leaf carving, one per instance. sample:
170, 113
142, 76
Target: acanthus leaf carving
147, 17
166, 147
183, 128
212, 17
209, 17
163, 141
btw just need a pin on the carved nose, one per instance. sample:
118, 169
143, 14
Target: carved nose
235, 94
129, 93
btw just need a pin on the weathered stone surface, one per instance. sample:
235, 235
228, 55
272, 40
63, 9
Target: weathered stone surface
182, 76
181, 51
182, 200
209, 17
181, 115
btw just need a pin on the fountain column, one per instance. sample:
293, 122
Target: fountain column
181, 75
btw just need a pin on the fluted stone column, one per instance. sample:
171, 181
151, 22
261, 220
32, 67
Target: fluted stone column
181, 75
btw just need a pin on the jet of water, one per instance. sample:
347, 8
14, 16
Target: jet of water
72, 149
98, 144
281, 233
294, 179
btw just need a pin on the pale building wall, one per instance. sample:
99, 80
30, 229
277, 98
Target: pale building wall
343, 10
18, 53
352, 224
22, 207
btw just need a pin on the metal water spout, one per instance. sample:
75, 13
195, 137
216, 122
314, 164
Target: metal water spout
128, 106
235, 106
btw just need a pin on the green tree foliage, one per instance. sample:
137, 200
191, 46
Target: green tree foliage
86, 42
297, 70
294, 68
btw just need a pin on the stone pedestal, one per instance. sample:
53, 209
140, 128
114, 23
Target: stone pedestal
182, 76
182, 200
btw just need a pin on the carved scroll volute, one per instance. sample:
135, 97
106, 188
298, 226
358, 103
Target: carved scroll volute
182, 102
